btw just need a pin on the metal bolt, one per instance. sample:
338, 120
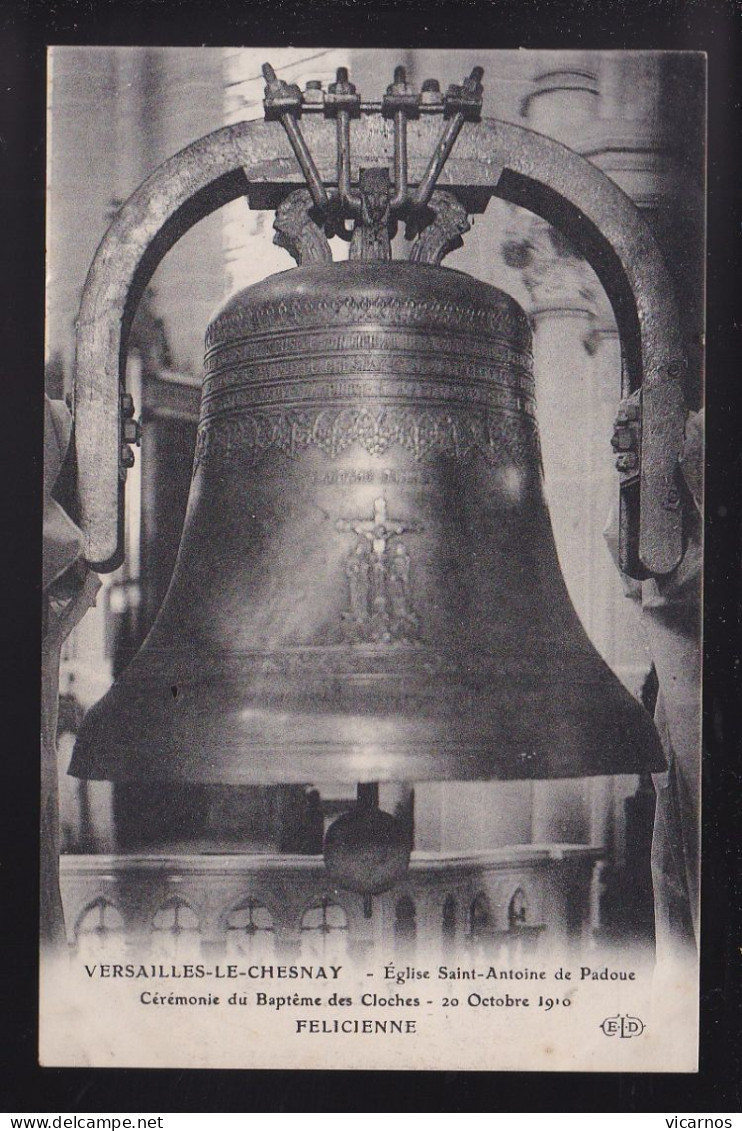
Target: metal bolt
473, 85
671, 502
430, 94
399, 86
127, 456
341, 84
313, 93
626, 462
623, 440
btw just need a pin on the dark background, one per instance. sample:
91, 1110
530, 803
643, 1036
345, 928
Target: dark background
26, 28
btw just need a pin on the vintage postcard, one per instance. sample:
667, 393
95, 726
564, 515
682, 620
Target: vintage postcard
373, 559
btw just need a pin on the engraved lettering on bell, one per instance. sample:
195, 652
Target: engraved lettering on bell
378, 574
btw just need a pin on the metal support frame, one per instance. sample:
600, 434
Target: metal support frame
265, 162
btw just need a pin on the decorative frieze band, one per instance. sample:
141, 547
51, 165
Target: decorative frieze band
506, 321
370, 346
502, 438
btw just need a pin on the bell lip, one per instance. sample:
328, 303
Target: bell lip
335, 779
244, 739
315, 764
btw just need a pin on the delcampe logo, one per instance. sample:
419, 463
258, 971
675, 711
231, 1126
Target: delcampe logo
622, 1026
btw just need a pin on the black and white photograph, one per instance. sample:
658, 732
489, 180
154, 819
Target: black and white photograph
373, 558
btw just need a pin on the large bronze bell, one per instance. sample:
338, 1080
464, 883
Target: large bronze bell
367, 586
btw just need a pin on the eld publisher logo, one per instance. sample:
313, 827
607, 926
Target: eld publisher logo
622, 1026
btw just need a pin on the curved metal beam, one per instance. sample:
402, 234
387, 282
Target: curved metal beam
490, 158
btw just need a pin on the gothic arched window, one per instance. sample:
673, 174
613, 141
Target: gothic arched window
250, 930
324, 932
98, 928
517, 909
522, 936
175, 928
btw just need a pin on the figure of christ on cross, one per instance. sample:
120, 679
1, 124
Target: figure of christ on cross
377, 530
380, 610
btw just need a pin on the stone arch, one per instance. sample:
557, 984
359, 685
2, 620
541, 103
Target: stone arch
175, 926
518, 909
324, 929
99, 919
249, 927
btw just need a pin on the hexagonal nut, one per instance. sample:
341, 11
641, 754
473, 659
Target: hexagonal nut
313, 95
623, 440
132, 432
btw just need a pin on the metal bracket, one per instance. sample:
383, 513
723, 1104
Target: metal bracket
131, 433
400, 105
371, 236
627, 438
443, 234
297, 232
647, 439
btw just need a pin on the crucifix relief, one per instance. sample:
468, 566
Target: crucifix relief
378, 573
